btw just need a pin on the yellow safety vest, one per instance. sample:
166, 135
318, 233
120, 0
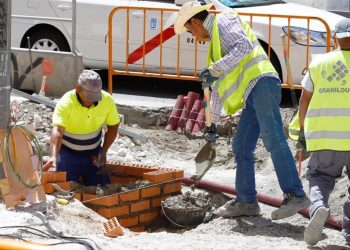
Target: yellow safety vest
232, 86
327, 121
294, 127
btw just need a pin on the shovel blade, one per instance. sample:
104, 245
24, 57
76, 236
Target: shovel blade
204, 159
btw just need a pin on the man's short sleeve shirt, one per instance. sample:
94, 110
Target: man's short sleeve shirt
77, 119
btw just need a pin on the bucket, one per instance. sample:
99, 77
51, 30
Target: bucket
186, 216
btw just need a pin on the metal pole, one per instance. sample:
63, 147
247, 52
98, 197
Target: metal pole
5, 59
74, 25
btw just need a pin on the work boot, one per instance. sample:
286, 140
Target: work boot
346, 236
290, 206
313, 231
235, 208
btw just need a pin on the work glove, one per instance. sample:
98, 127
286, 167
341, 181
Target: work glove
209, 75
210, 133
301, 144
101, 159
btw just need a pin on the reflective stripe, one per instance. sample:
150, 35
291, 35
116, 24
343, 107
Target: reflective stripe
327, 135
293, 131
235, 85
82, 142
328, 112
83, 136
80, 147
255, 44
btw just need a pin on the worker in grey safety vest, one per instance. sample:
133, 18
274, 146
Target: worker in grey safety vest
324, 121
241, 75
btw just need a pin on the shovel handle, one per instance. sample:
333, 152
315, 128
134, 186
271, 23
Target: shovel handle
207, 106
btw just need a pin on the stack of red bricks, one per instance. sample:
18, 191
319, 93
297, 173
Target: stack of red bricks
137, 208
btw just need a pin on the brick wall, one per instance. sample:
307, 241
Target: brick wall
136, 208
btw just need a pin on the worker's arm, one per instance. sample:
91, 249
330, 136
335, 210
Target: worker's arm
304, 102
110, 136
55, 146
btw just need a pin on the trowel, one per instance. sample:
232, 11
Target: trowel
206, 156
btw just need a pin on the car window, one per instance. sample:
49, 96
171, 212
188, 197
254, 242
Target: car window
248, 3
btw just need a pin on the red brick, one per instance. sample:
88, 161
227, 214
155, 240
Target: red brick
129, 221
138, 229
156, 202
114, 211
172, 188
112, 228
150, 191
50, 189
120, 169
108, 201
158, 176
122, 179
139, 206
105, 212
53, 177
139, 170
129, 196
78, 196
177, 174
148, 216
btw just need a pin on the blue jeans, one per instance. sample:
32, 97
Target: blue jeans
262, 116
79, 164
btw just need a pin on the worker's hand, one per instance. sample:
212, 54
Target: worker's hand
301, 144
210, 133
100, 160
51, 163
209, 75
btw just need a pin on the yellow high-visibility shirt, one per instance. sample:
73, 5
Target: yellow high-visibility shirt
77, 119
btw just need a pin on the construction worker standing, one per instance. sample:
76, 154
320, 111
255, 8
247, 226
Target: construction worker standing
76, 136
241, 76
324, 117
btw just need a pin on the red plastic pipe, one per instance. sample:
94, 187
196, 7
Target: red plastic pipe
200, 121
191, 98
175, 113
193, 115
264, 198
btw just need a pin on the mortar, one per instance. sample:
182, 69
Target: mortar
186, 210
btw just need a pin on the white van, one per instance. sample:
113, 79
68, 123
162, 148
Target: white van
36, 19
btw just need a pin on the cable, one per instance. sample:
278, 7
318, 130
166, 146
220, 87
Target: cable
40, 233
37, 150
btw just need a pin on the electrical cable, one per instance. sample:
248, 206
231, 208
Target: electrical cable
36, 148
40, 233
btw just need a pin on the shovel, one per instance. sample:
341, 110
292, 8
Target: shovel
205, 157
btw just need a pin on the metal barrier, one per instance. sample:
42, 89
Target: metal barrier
167, 32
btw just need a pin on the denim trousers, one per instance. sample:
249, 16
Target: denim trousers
79, 165
262, 116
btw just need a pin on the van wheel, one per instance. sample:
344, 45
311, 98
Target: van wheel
274, 59
48, 40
